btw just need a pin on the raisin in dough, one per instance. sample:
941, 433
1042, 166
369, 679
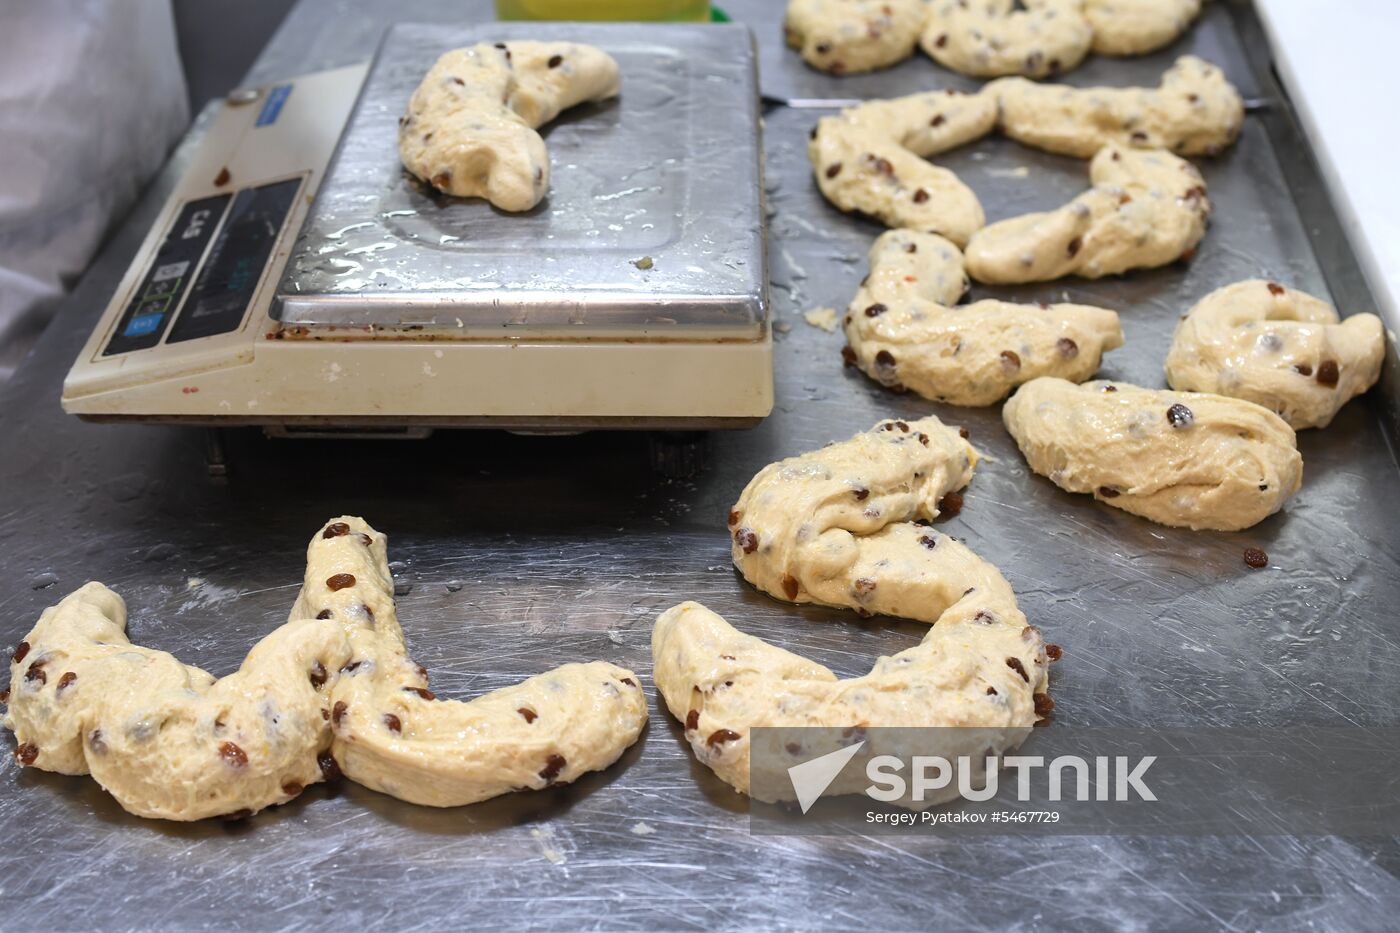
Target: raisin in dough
1146, 208
331, 687
837, 527
1277, 347
851, 36
904, 329
470, 126
1136, 27
981, 669
1179, 458
989, 38
1193, 112
393, 735
168, 740
871, 159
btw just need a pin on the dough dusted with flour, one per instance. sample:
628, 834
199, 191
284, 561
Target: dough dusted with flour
393, 735
470, 126
837, 527
1277, 347
1136, 27
871, 159
166, 739
1147, 208
990, 38
1179, 458
1193, 112
331, 687
903, 330
851, 36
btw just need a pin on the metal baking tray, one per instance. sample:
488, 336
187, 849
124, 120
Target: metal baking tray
653, 223
514, 554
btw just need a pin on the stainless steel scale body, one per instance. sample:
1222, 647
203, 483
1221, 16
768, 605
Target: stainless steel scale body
634, 295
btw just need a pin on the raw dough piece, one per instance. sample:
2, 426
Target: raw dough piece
871, 159
1279, 348
850, 36
988, 38
470, 126
1136, 27
837, 527
1194, 111
1146, 209
981, 668
1180, 458
393, 736
902, 331
169, 741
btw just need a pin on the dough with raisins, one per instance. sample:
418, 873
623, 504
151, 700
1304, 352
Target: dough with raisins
851, 36
469, 130
990, 38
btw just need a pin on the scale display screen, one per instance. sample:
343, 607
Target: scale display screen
148, 312
225, 286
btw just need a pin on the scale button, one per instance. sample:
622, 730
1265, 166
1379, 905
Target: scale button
171, 270
143, 324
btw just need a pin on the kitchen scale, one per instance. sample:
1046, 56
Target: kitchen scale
299, 280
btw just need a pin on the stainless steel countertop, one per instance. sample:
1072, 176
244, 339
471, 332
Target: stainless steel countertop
668, 171
515, 554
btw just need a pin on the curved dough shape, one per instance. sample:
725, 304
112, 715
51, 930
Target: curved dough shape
1146, 209
1136, 27
978, 668
1193, 112
470, 126
170, 741
1179, 458
851, 36
989, 38
393, 735
871, 159
1277, 347
903, 333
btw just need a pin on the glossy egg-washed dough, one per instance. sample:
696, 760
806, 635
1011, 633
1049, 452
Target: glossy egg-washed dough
905, 330
871, 159
837, 527
851, 36
331, 690
989, 38
470, 126
1277, 347
1193, 112
1179, 458
1146, 208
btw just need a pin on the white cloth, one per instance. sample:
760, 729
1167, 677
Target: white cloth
91, 98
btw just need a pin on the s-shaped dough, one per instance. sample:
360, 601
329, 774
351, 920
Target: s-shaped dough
989, 38
1136, 27
393, 735
1147, 208
850, 36
170, 741
470, 126
1194, 111
1277, 347
902, 331
837, 527
1179, 458
871, 159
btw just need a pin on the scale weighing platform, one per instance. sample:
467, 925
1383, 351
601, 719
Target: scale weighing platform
299, 280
